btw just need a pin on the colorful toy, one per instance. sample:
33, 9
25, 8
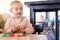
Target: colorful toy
12, 34
15, 35
3, 35
18, 34
6, 35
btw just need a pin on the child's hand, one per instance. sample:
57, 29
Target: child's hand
22, 30
1, 31
14, 29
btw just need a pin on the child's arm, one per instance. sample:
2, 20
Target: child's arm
7, 27
29, 28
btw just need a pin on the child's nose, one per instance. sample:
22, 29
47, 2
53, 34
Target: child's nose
19, 11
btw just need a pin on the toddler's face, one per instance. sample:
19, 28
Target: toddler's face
17, 9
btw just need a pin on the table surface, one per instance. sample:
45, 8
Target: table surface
27, 37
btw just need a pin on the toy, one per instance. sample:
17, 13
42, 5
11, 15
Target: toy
12, 34
6, 35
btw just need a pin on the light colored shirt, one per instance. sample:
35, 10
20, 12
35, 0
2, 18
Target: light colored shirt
22, 21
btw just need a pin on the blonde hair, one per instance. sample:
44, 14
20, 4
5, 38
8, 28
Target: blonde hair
13, 3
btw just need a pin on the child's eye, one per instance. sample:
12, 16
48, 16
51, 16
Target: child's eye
16, 8
21, 8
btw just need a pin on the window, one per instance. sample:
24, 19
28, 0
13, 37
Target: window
39, 17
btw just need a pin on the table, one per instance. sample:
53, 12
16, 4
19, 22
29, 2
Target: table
27, 37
